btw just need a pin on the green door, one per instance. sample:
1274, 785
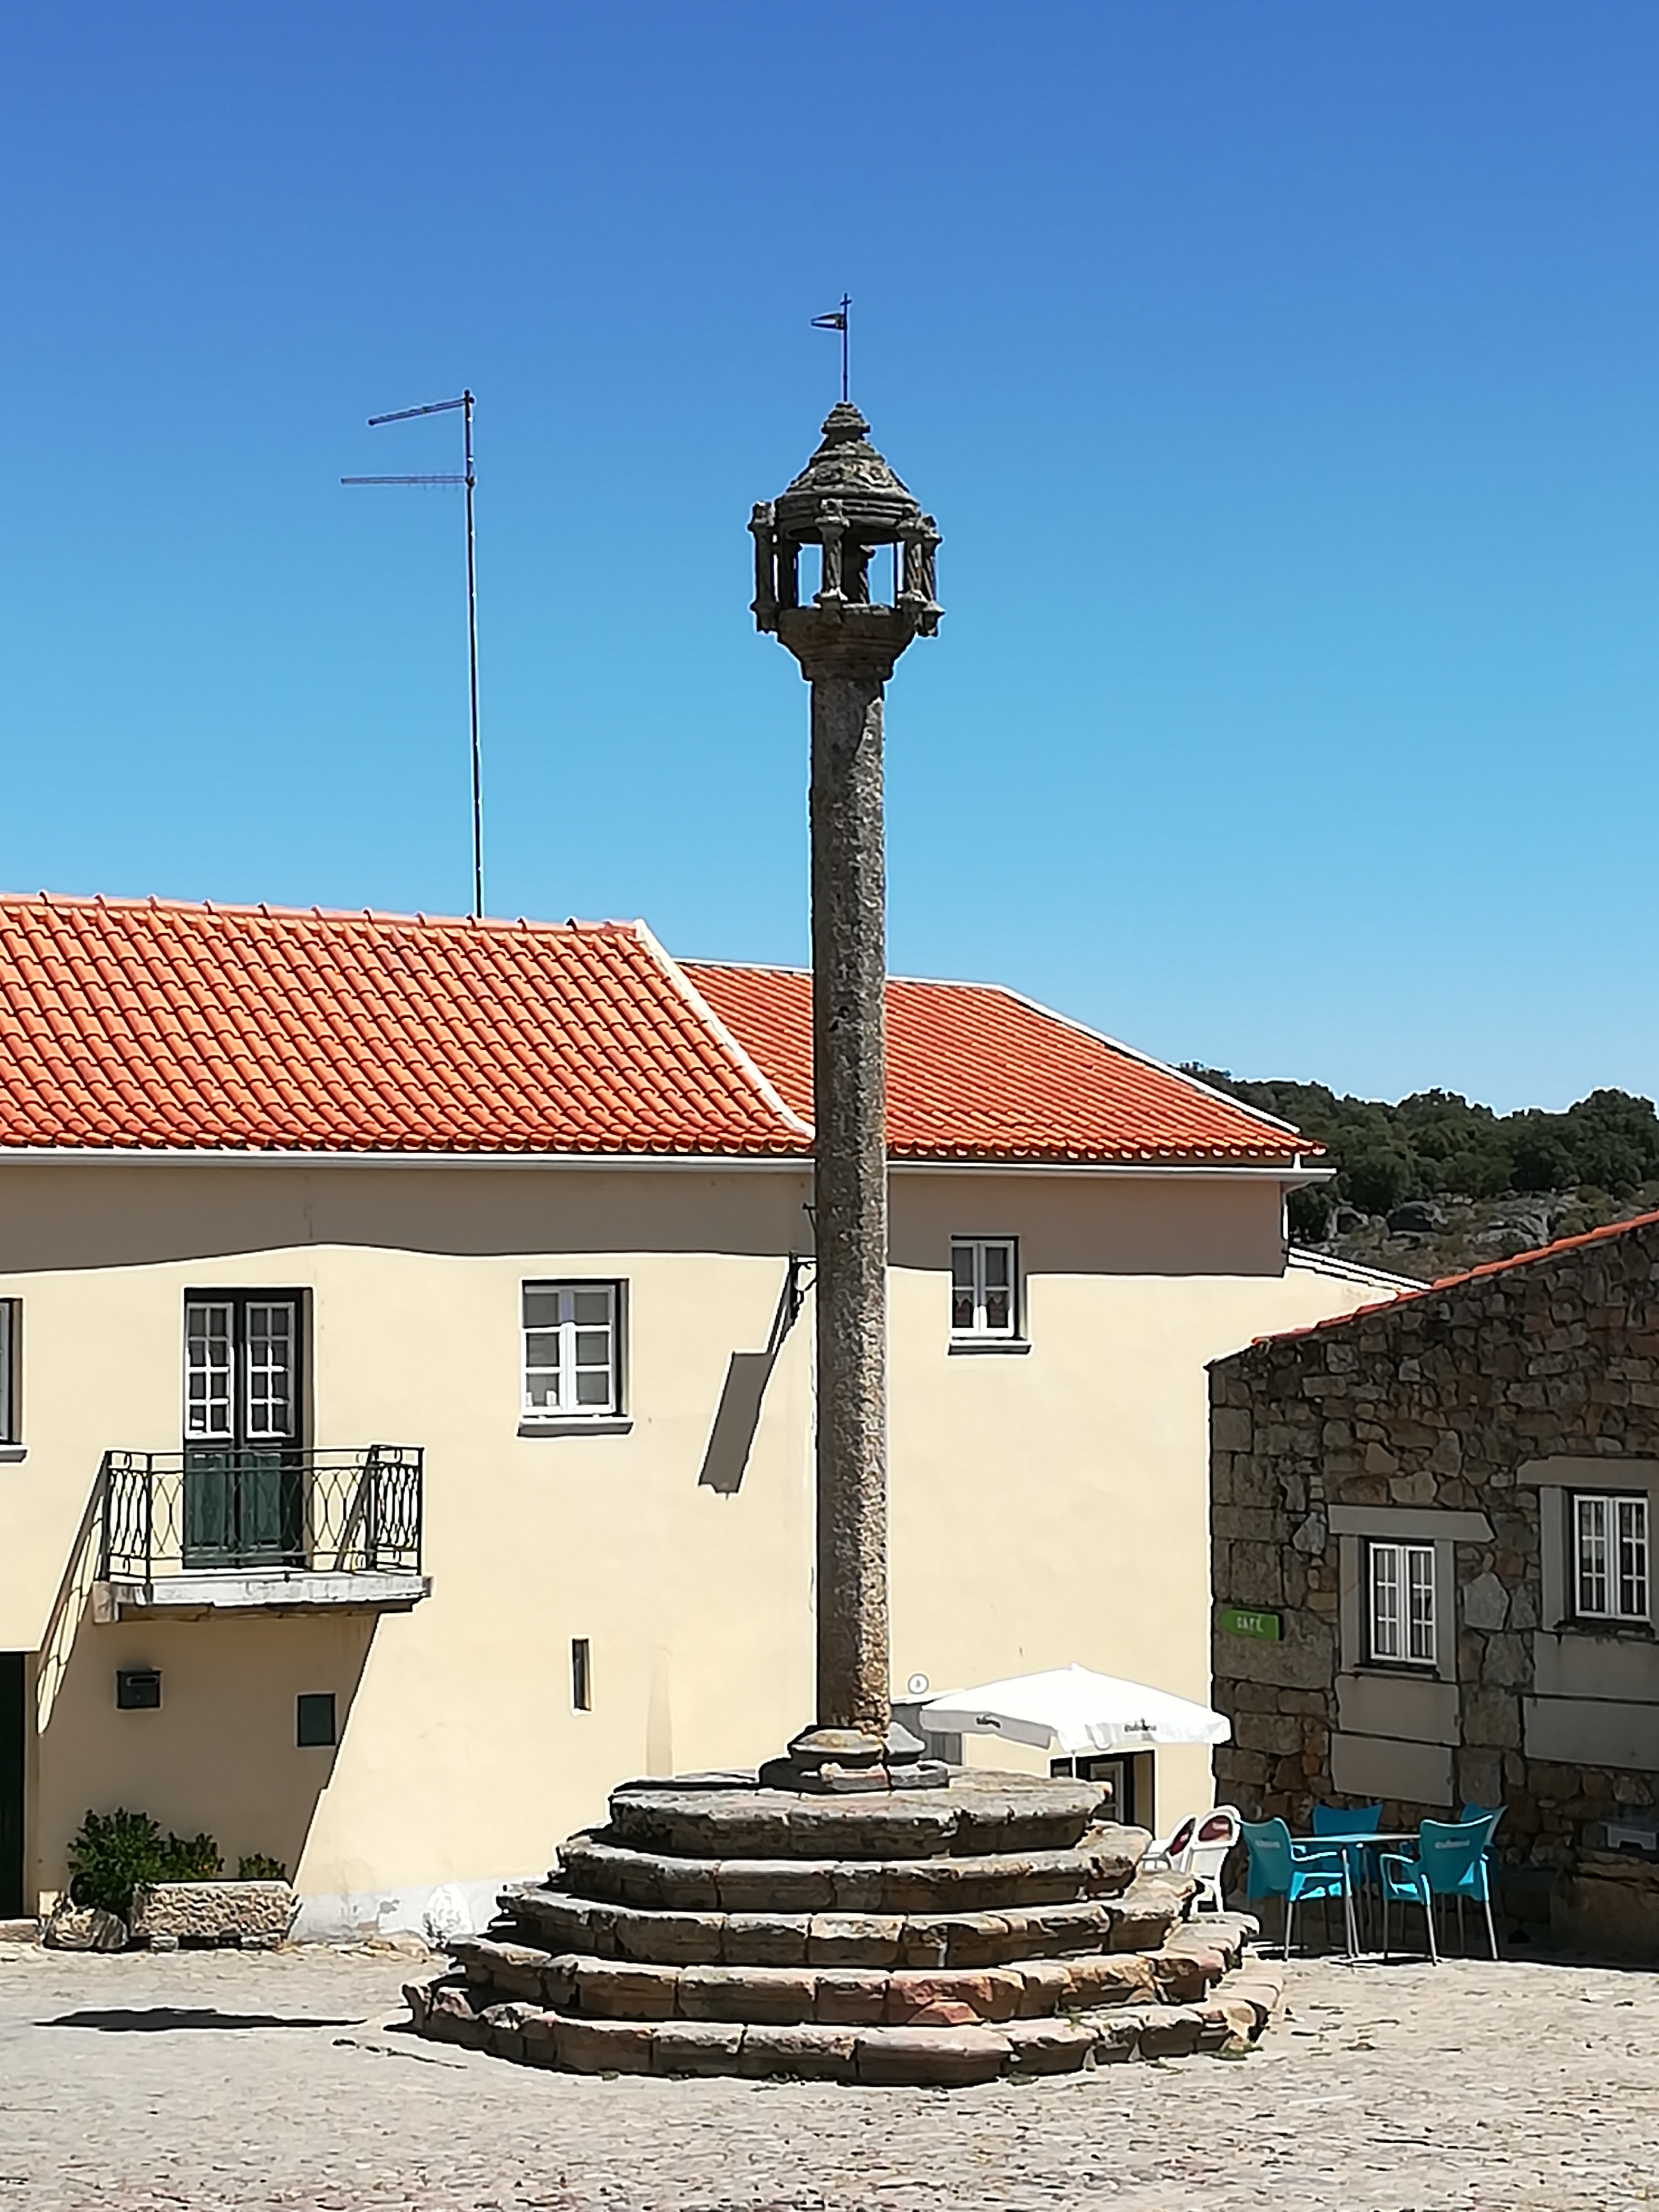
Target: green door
11, 1785
244, 1485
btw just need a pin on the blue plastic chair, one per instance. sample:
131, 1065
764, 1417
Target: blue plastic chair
1280, 1867
1347, 1819
1491, 1814
1451, 1861
1352, 1821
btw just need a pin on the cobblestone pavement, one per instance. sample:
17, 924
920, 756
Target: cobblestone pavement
210, 2079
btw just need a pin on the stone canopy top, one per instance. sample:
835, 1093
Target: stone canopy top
849, 502
848, 476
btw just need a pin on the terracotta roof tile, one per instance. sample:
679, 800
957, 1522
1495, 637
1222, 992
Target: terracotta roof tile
154, 1026
1469, 1275
150, 1026
977, 1072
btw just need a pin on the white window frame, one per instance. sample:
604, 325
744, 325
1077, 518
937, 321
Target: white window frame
11, 1314
566, 1368
979, 1331
210, 1361
242, 1366
1608, 1541
270, 1366
1400, 1602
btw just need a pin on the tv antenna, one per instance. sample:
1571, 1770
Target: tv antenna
467, 480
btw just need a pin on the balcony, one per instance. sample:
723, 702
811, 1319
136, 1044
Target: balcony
258, 1529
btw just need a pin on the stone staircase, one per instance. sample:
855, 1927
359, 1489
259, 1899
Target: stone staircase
945, 1936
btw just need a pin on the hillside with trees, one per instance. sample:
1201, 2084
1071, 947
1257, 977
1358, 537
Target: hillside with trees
1435, 1184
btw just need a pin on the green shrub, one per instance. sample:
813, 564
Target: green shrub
193, 1859
256, 1866
1437, 1143
115, 1853
111, 1855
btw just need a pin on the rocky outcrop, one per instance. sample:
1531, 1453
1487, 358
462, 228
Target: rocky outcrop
83, 1927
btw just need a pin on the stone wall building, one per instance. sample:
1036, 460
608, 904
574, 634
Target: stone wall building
1431, 1532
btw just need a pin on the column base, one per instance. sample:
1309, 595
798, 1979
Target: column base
847, 1762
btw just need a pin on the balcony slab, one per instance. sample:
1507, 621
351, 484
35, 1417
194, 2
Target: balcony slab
266, 1590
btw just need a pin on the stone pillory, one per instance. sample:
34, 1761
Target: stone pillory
849, 503
852, 1912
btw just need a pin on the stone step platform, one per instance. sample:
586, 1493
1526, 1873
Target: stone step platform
546, 1925
594, 1865
706, 1922
1234, 2016
1182, 1972
979, 1813
1137, 1919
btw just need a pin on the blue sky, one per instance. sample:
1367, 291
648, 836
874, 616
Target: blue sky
1282, 376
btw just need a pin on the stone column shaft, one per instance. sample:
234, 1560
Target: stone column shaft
849, 1063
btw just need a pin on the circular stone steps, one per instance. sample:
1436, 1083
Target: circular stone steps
1180, 1972
1136, 1919
948, 2056
978, 1813
948, 1937
597, 1867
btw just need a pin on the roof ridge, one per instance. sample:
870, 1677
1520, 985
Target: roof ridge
1608, 1229
744, 1059
265, 910
1581, 1237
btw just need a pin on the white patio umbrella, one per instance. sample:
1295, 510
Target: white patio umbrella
1071, 1710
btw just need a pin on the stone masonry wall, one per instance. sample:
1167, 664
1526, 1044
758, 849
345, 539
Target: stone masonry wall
1435, 1400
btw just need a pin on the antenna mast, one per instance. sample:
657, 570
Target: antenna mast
467, 480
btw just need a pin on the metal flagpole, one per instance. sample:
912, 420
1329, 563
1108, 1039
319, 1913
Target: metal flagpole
467, 480
841, 321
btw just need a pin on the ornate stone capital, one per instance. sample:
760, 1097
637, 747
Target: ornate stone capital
847, 639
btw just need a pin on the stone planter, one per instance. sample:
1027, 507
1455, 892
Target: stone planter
258, 1915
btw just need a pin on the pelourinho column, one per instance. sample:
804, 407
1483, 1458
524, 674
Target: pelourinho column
849, 503
849, 1088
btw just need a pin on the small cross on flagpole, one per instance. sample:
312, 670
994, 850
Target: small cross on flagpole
838, 320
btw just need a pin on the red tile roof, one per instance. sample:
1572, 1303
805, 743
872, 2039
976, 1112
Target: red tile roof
148, 1026
163, 1026
975, 1072
1469, 1275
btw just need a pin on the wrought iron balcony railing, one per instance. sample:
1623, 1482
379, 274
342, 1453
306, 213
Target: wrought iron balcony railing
260, 1508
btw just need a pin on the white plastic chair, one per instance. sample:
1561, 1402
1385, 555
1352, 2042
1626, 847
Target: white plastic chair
1199, 1846
1207, 1854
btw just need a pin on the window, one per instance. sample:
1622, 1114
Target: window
244, 1498
571, 1366
1400, 1582
10, 1347
984, 1285
1610, 1555
581, 1674
314, 1726
242, 1367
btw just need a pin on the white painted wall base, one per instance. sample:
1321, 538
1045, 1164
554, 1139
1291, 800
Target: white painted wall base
435, 1910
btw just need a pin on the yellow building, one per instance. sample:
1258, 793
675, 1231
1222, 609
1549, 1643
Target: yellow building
405, 1420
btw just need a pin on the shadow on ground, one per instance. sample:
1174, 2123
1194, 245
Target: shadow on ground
161, 2020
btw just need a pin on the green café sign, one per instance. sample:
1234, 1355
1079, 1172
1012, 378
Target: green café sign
1236, 1621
